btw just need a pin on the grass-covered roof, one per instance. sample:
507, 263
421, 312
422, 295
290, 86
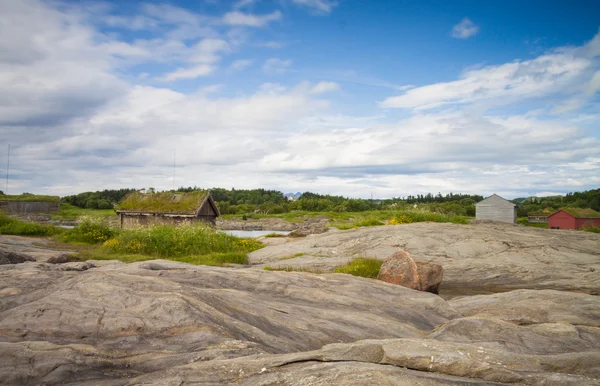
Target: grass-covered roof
163, 202
27, 197
582, 212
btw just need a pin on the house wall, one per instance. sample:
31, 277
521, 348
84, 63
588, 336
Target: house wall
583, 222
537, 219
561, 220
207, 210
496, 209
25, 207
132, 221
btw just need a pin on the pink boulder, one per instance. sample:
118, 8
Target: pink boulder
402, 269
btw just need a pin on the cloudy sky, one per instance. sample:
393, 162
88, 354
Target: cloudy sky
348, 97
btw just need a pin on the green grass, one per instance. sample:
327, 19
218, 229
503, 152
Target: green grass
12, 226
93, 239
28, 197
288, 268
178, 242
164, 202
274, 235
292, 256
70, 212
591, 228
361, 267
194, 244
213, 259
90, 230
349, 220
525, 221
362, 223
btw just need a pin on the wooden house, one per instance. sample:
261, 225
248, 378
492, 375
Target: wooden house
573, 218
167, 208
496, 208
537, 218
25, 204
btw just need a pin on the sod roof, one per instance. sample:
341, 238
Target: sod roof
28, 198
582, 212
164, 202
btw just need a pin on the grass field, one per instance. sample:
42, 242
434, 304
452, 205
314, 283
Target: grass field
12, 226
524, 221
69, 212
349, 220
94, 238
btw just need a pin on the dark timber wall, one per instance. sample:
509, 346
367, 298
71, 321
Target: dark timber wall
132, 221
25, 207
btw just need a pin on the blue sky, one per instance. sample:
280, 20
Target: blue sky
346, 97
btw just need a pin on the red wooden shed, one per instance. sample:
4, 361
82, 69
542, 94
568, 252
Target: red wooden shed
573, 218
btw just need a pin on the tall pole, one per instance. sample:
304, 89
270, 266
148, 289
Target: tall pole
174, 169
7, 168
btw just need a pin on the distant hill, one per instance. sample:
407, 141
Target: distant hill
292, 196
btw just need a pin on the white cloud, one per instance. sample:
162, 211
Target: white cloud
206, 51
240, 64
320, 6
465, 29
75, 125
323, 87
249, 20
276, 66
188, 73
560, 71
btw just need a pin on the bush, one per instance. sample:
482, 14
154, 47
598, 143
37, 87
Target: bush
181, 241
361, 267
90, 230
402, 219
591, 228
11, 226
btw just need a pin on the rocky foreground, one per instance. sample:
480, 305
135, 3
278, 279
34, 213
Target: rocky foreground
167, 323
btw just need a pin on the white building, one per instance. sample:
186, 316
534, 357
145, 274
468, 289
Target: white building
495, 208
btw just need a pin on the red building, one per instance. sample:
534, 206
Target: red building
573, 218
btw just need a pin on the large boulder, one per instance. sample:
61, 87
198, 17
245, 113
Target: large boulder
402, 269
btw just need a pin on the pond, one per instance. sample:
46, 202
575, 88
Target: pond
253, 234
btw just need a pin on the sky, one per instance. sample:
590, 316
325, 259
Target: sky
346, 97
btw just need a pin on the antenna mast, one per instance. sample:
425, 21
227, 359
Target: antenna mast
7, 168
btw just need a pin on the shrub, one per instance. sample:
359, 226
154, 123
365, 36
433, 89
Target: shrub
361, 267
402, 219
90, 230
11, 226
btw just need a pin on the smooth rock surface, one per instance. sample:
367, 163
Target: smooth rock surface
168, 323
481, 258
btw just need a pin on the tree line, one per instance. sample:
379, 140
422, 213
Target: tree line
242, 201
